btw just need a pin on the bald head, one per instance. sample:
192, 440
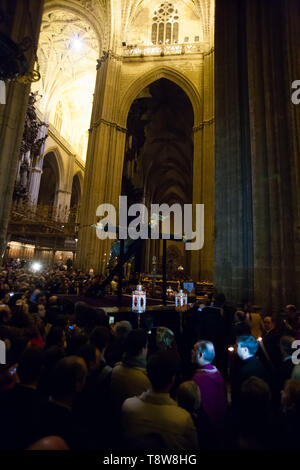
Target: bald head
53, 300
49, 443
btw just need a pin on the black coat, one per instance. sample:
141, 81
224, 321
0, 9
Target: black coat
18, 411
243, 370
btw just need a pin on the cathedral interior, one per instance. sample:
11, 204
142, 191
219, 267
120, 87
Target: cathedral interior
175, 102
150, 230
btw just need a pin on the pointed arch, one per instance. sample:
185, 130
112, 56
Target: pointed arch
155, 74
59, 163
79, 175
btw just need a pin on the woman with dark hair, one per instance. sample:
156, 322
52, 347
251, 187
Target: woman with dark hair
56, 337
239, 327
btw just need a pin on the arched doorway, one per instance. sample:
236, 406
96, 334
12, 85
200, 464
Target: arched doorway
75, 198
49, 181
158, 163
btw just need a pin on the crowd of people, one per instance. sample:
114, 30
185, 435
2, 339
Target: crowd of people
228, 379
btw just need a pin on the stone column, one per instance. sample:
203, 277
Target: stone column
257, 252
104, 165
273, 55
233, 263
203, 170
36, 172
12, 114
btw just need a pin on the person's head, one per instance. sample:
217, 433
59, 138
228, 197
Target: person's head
122, 329
255, 396
41, 299
239, 316
164, 338
21, 317
49, 443
51, 356
290, 312
30, 366
290, 395
5, 314
56, 337
268, 323
290, 309
137, 343
18, 346
86, 316
286, 346
69, 377
162, 368
189, 396
203, 353
246, 346
53, 300
41, 310
91, 356
99, 338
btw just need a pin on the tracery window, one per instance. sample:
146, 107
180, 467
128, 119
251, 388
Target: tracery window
58, 116
165, 26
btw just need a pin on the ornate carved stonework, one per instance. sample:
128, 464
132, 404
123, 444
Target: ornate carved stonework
107, 55
31, 147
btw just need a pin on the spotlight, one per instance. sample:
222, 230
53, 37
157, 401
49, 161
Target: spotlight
36, 267
76, 43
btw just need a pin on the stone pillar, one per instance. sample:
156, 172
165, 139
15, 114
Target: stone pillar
257, 252
273, 55
233, 266
36, 172
17, 25
104, 165
203, 170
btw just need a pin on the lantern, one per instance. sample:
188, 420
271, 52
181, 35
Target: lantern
138, 300
170, 292
180, 299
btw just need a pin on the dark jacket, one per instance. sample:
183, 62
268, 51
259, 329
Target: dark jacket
243, 370
18, 411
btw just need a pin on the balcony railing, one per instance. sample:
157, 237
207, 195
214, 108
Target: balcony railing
57, 219
164, 49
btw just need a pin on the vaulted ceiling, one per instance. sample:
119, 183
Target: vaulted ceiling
73, 35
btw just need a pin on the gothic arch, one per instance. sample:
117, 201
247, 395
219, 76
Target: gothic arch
155, 74
49, 183
60, 165
79, 175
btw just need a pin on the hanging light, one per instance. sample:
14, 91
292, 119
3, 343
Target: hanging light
139, 300
180, 299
